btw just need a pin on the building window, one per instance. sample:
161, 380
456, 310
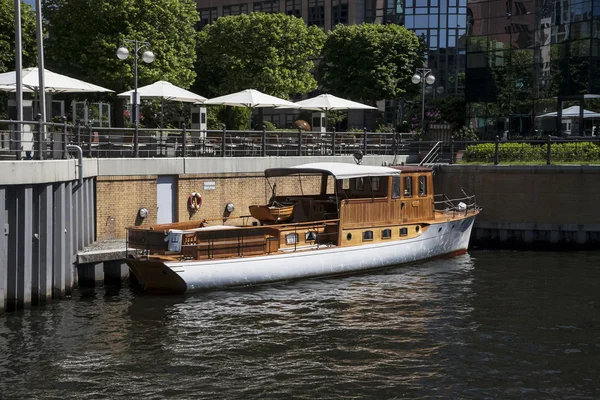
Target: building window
267, 6
207, 16
236, 9
367, 236
316, 12
403, 231
422, 185
386, 234
408, 186
339, 12
395, 186
293, 7
370, 11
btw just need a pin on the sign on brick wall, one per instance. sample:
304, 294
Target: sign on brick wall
210, 185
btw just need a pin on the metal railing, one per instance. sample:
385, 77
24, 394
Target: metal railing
47, 140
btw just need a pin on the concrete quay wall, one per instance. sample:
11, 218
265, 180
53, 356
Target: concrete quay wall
529, 206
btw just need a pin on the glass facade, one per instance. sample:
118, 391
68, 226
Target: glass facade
527, 58
443, 26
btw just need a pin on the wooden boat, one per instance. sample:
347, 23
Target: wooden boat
364, 217
272, 213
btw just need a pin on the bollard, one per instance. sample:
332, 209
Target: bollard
365, 141
64, 139
451, 150
263, 151
299, 141
223, 140
333, 142
496, 150
183, 141
548, 150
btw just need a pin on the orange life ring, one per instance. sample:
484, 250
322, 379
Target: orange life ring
194, 201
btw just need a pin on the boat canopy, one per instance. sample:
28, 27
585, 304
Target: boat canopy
338, 170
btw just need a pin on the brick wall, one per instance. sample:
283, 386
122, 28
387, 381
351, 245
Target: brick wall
118, 199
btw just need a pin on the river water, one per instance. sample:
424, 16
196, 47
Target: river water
485, 325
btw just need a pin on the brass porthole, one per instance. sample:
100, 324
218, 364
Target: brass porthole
349, 236
417, 229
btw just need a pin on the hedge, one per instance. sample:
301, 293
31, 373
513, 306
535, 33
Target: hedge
511, 152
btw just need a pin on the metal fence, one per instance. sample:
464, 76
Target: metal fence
38, 140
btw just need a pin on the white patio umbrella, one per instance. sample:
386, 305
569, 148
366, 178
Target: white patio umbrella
166, 91
571, 112
55, 83
329, 102
251, 99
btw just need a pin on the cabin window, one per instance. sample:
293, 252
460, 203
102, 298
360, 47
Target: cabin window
403, 231
310, 236
375, 184
422, 185
360, 184
367, 235
346, 184
395, 186
386, 234
291, 238
408, 186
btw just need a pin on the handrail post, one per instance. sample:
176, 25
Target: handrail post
451, 149
64, 139
183, 141
548, 150
300, 141
496, 150
333, 142
223, 133
38, 144
365, 141
89, 142
78, 134
263, 147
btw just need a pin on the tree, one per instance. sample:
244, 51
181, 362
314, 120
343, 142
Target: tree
7, 36
272, 53
84, 36
369, 61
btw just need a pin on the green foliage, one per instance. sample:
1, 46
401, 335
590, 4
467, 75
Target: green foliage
7, 36
234, 118
369, 61
465, 133
511, 152
269, 126
272, 53
84, 36
452, 109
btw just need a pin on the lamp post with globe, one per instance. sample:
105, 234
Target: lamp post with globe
423, 76
148, 57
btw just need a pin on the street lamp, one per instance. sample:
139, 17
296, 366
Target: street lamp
423, 76
148, 57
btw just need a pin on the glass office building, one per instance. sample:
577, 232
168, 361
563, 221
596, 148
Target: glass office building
527, 58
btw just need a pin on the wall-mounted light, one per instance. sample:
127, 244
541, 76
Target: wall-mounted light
143, 213
229, 207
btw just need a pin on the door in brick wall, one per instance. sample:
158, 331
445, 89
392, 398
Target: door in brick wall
165, 199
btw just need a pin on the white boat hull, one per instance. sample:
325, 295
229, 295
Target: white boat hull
439, 239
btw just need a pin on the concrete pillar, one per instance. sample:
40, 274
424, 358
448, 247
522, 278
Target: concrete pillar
12, 246
91, 275
78, 218
43, 249
59, 250
115, 272
3, 246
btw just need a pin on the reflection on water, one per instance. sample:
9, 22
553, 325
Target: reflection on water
485, 325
